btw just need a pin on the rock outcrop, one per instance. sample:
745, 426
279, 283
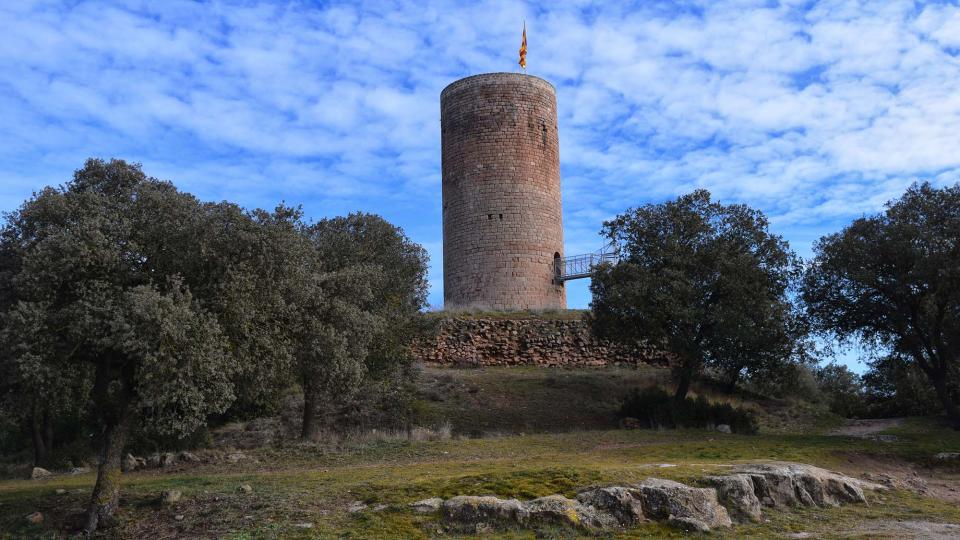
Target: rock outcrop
795, 484
620, 502
666, 499
474, 509
739, 496
735, 492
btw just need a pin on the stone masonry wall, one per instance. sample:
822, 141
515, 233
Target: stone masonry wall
502, 217
536, 342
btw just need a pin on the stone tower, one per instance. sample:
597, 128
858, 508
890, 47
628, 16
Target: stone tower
502, 222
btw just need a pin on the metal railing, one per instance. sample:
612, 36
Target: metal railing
580, 266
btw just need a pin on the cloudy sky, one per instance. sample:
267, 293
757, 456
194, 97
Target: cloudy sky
814, 112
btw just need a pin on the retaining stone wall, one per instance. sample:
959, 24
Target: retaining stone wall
536, 342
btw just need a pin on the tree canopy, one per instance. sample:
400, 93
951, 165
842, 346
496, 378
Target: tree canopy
893, 280
357, 311
706, 281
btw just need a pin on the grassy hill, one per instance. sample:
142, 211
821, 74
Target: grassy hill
544, 431
531, 399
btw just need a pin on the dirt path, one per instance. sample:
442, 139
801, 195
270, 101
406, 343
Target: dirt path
866, 428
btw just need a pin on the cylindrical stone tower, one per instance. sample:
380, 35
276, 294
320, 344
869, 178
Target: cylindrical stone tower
502, 222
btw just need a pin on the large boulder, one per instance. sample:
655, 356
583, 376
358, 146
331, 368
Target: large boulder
623, 504
664, 500
482, 509
560, 510
796, 484
736, 493
39, 473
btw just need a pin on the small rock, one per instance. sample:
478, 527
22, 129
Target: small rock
688, 524
39, 473
129, 463
356, 506
917, 484
427, 506
946, 456
304, 525
379, 508
36, 518
167, 459
171, 496
245, 488
887, 438
79, 470
188, 457
178, 517
236, 457
724, 428
61, 491
153, 461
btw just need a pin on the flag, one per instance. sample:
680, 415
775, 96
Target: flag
523, 48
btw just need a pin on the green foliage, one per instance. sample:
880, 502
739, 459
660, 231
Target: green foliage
357, 311
126, 298
895, 386
656, 409
893, 280
707, 281
104, 282
843, 390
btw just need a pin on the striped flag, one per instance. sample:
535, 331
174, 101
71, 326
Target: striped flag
523, 48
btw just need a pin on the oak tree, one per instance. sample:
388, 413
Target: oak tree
893, 280
706, 281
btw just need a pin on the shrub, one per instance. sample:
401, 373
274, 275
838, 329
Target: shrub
842, 390
654, 408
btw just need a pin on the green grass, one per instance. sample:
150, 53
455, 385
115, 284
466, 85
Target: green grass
296, 483
534, 399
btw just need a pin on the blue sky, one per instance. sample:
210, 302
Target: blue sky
814, 112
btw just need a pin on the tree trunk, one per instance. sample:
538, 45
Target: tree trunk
943, 393
308, 429
732, 381
47, 432
106, 492
40, 449
685, 377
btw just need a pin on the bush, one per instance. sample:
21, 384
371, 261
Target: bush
895, 386
842, 390
654, 408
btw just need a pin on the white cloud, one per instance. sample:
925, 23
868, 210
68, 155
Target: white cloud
815, 113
